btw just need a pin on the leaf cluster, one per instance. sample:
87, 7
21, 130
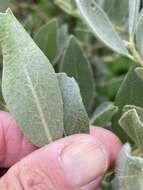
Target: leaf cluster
60, 77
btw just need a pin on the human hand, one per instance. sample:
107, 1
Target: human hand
77, 162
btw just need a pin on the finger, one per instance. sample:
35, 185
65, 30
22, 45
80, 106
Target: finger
13, 144
67, 164
110, 140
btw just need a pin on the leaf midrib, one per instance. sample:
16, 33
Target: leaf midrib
37, 102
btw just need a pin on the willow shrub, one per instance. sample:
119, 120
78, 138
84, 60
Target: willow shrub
48, 105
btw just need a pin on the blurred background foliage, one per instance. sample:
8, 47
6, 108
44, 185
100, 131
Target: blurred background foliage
99, 71
108, 67
52, 22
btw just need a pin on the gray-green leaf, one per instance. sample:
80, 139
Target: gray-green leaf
75, 64
117, 11
130, 93
134, 6
29, 84
46, 39
4, 4
139, 72
75, 116
129, 107
129, 171
100, 24
139, 36
103, 114
132, 123
63, 36
68, 6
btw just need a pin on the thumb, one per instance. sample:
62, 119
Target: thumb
67, 164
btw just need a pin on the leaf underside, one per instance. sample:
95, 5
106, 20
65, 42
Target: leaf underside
130, 93
29, 84
75, 116
132, 123
129, 171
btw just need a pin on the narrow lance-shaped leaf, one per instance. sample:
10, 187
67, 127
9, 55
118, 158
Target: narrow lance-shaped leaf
103, 114
75, 116
75, 64
134, 6
132, 122
100, 24
129, 93
46, 39
129, 171
29, 84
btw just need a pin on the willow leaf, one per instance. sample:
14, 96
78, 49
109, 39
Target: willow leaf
129, 93
99, 22
129, 171
103, 114
132, 122
46, 39
29, 84
134, 6
75, 64
75, 116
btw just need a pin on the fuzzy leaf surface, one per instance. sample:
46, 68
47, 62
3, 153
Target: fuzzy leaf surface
29, 84
75, 116
129, 93
132, 123
129, 171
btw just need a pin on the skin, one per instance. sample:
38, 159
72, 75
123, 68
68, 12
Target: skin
77, 162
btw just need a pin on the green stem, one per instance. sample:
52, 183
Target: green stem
136, 57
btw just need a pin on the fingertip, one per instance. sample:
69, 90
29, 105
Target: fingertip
110, 140
74, 162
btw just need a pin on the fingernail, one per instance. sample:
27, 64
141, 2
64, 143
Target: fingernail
84, 161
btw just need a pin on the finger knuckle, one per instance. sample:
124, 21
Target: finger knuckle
28, 178
34, 179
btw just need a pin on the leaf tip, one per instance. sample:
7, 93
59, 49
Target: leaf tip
139, 72
128, 113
